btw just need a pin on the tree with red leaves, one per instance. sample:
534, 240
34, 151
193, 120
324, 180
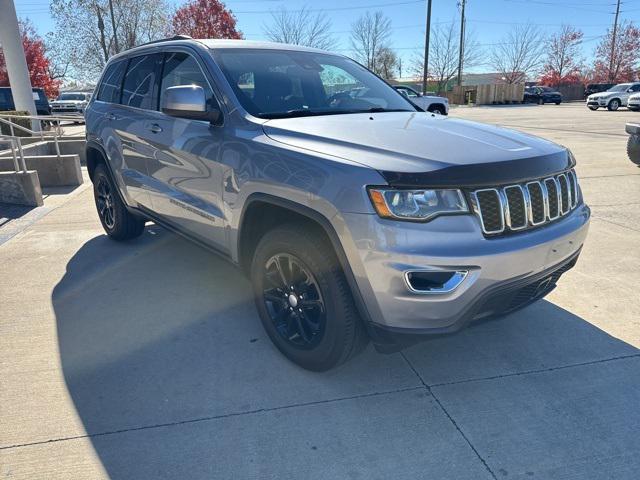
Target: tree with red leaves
38, 62
563, 63
626, 55
205, 19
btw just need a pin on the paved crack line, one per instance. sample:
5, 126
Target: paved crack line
214, 417
428, 388
597, 217
542, 370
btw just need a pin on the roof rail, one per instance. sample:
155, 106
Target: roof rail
175, 37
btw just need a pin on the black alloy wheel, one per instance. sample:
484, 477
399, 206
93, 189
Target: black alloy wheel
293, 301
105, 203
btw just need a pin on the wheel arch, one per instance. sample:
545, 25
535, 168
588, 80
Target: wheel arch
262, 212
433, 106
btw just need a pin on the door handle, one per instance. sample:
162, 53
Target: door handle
155, 128
110, 116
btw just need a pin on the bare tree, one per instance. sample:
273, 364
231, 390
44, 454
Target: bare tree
300, 27
369, 34
86, 37
386, 62
443, 54
519, 54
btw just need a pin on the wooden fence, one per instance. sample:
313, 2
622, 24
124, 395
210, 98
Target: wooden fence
499, 93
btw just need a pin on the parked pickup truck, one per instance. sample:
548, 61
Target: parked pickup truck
429, 103
356, 217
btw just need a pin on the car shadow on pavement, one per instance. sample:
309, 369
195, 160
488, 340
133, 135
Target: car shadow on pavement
158, 334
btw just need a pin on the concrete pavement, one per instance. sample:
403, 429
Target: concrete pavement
147, 360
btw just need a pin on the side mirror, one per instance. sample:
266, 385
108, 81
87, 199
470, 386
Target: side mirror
188, 101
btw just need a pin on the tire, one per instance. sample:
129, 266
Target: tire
315, 324
613, 105
438, 109
117, 221
634, 109
557, 103
633, 148
592, 108
540, 101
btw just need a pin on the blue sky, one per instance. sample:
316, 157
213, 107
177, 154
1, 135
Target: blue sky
488, 19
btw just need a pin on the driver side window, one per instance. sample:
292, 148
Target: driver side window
335, 80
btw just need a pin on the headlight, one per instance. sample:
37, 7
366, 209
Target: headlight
420, 204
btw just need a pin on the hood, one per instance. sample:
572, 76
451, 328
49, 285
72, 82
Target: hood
604, 94
418, 147
69, 102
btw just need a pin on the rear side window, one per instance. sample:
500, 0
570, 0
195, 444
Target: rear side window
140, 87
110, 87
182, 69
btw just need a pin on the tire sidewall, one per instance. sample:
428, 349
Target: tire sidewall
101, 173
326, 353
614, 105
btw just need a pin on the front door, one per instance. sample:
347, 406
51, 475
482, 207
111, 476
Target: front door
185, 169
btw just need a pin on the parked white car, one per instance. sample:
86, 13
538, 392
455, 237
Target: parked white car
429, 103
634, 102
613, 98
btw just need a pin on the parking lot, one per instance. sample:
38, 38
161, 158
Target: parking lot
147, 360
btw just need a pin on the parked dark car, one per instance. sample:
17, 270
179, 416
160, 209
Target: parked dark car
542, 95
597, 88
633, 142
39, 97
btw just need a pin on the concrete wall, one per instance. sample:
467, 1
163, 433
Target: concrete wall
53, 171
20, 188
35, 147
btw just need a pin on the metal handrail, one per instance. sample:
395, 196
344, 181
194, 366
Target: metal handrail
19, 163
57, 133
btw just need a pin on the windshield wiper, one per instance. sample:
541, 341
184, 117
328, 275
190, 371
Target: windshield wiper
300, 112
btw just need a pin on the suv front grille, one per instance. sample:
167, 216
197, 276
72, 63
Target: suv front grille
521, 206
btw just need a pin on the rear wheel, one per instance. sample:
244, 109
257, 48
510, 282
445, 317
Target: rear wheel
633, 148
613, 105
303, 299
117, 221
540, 101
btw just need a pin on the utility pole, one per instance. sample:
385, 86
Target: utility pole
426, 49
461, 46
113, 25
613, 42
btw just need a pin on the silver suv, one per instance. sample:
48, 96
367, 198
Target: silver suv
614, 98
355, 216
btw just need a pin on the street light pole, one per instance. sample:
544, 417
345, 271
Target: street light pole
425, 71
17, 69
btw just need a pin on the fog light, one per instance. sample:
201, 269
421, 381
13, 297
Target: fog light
434, 281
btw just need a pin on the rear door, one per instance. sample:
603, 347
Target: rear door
138, 108
186, 172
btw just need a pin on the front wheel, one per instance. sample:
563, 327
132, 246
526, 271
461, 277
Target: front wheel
613, 105
438, 110
592, 108
540, 101
117, 221
303, 299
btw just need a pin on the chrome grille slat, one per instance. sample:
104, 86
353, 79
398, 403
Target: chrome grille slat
522, 206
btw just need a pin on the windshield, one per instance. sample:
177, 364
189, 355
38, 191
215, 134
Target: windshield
546, 89
72, 96
281, 83
620, 88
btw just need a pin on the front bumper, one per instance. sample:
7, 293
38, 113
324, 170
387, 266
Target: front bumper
598, 102
387, 249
